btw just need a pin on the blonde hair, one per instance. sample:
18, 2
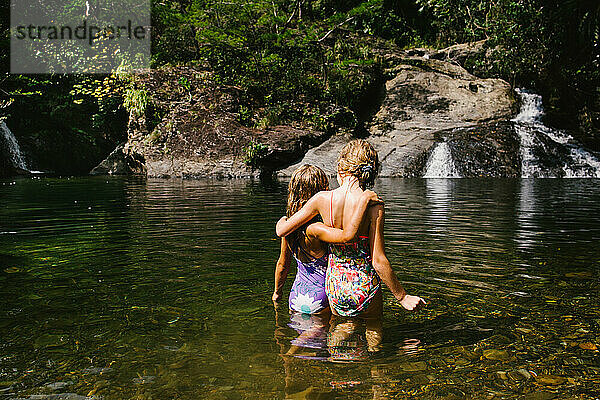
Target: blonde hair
306, 181
359, 159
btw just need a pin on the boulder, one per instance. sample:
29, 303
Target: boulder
193, 130
460, 53
114, 164
490, 150
424, 98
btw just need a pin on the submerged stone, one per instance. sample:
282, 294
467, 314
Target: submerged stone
524, 373
414, 366
550, 380
588, 346
496, 355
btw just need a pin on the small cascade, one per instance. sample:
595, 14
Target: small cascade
440, 163
14, 151
547, 152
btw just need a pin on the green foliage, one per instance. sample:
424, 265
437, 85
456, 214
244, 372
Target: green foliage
185, 83
135, 101
253, 152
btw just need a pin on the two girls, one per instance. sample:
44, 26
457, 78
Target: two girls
355, 265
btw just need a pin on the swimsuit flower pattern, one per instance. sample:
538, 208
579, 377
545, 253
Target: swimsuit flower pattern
308, 291
351, 281
305, 303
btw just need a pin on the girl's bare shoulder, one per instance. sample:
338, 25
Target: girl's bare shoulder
323, 195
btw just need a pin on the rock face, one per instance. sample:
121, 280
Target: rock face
197, 134
114, 164
490, 150
424, 98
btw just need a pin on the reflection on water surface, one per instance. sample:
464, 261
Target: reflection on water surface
158, 289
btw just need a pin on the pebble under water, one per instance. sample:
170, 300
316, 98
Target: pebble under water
160, 289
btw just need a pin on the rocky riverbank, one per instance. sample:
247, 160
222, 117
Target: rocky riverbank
193, 130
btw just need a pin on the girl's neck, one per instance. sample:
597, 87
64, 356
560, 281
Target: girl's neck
349, 183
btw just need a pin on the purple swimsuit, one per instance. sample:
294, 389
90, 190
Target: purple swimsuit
308, 291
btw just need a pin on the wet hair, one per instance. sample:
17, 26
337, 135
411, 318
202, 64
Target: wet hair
306, 181
359, 159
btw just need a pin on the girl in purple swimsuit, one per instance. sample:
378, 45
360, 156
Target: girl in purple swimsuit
308, 244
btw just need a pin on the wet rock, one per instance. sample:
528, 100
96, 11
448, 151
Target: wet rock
496, 355
515, 376
550, 380
114, 164
491, 150
414, 366
524, 373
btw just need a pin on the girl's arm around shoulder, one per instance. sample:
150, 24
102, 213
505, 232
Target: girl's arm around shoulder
335, 235
281, 269
285, 225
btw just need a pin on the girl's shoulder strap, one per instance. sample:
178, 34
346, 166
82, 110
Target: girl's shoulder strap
331, 210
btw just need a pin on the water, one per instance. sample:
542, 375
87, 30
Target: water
547, 152
440, 163
119, 288
14, 151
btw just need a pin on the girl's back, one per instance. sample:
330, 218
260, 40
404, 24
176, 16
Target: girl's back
351, 282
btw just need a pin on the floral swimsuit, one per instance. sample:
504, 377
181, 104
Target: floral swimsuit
351, 281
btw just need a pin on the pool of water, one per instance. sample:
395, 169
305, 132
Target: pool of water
160, 289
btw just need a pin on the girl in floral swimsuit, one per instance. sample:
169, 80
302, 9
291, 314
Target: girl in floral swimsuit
306, 245
356, 268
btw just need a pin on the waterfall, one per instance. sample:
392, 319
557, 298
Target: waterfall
14, 151
440, 163
547, 152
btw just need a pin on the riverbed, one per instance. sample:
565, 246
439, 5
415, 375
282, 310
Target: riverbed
120, 288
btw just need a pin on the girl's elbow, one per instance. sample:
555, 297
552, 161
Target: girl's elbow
280, 230
381, 263
347, 237
282, 266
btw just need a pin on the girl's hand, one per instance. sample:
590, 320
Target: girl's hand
412, 302
276, 297
372, 197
